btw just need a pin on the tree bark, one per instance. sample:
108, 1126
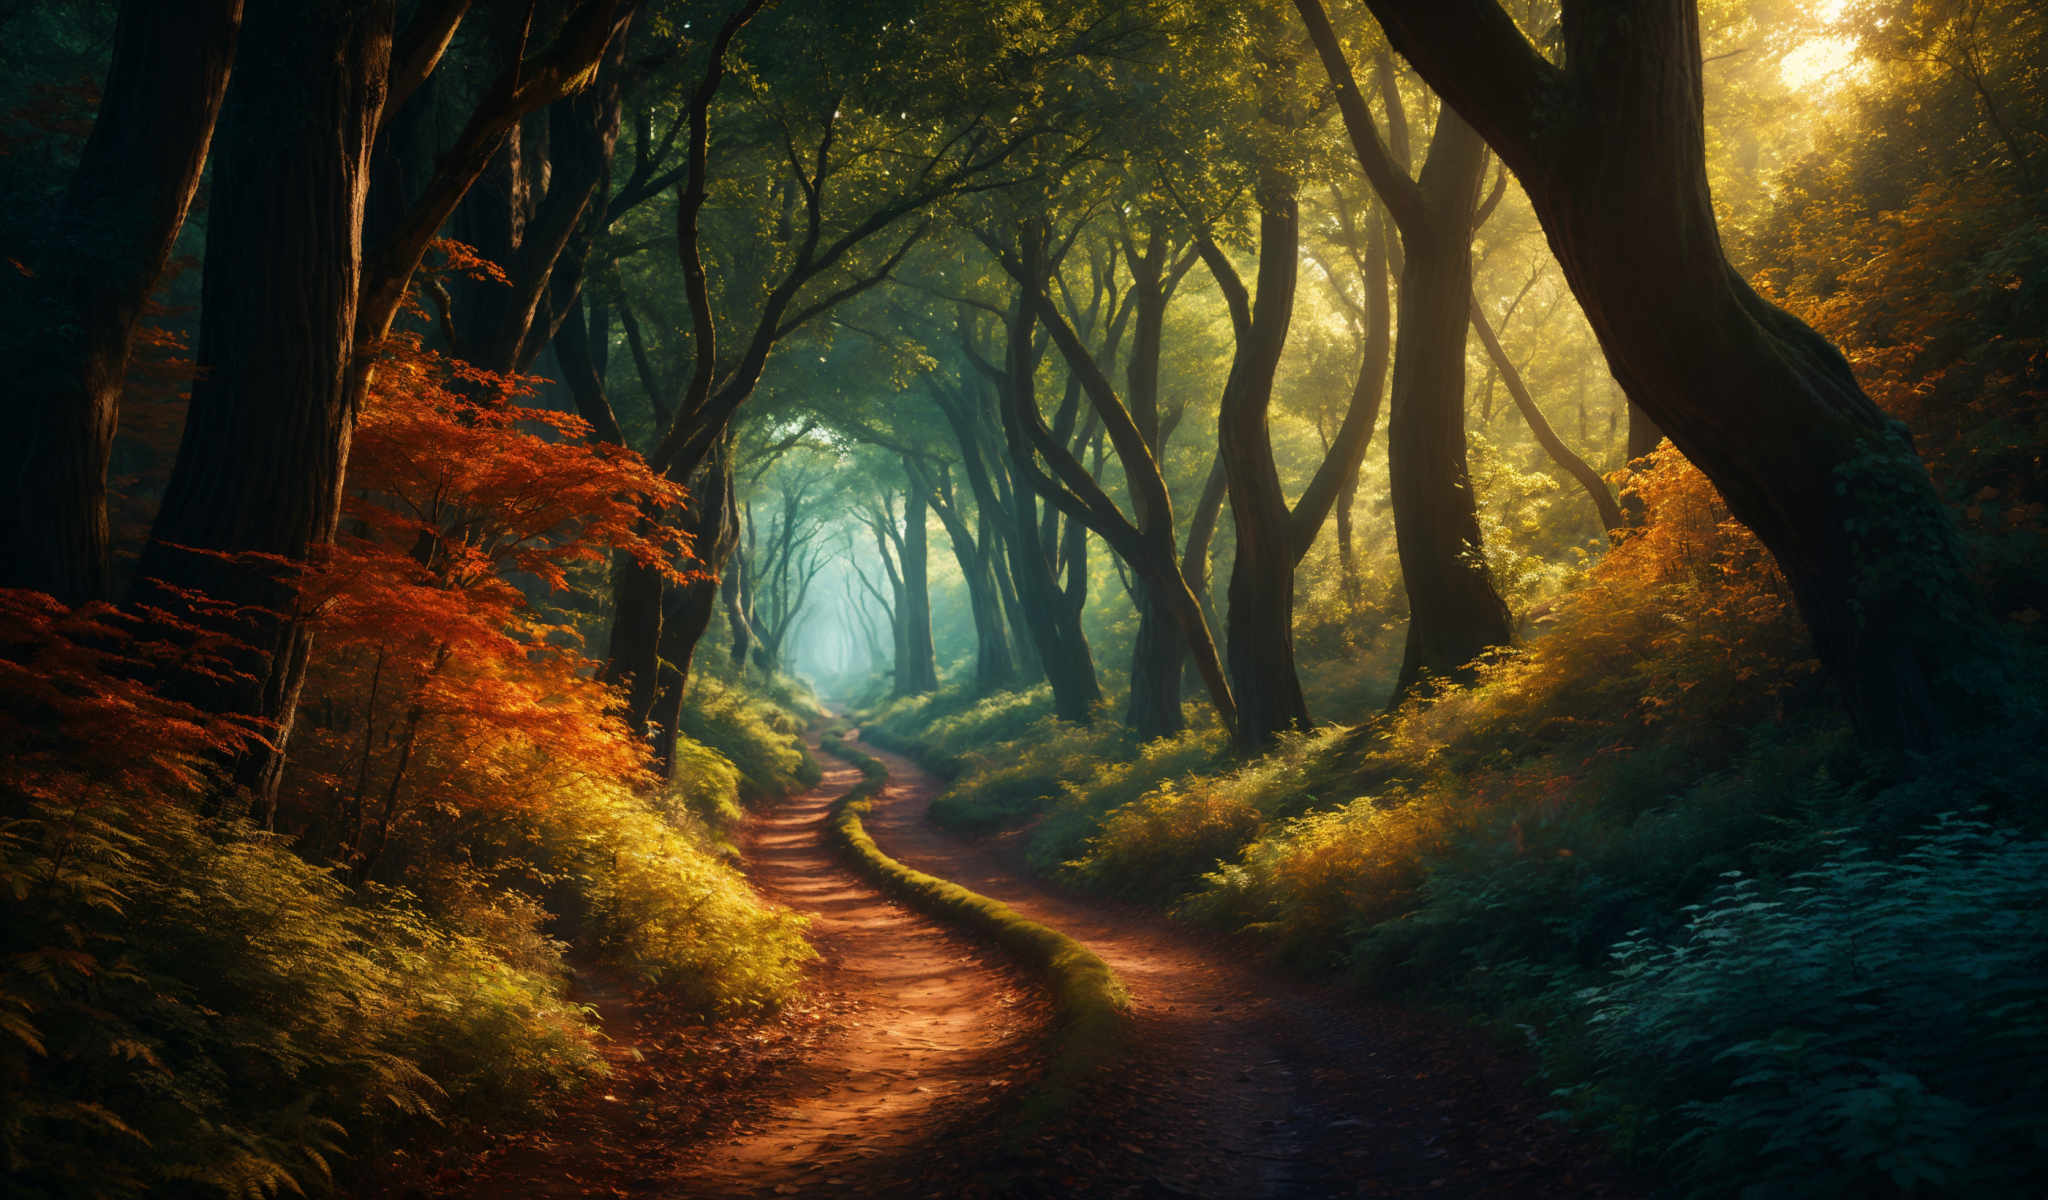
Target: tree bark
994, 667
1455, 614
921, 671
1611, 150
1055, 628
72, 309
259, 470
686, 609
1260, 617
1145, 540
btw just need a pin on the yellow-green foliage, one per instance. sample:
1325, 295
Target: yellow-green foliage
1673, 646
1156, 824
1329, 871
187, 1004
704, 784
757, 737
662, 901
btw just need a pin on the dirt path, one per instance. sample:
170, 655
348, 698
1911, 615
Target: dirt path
906, 1047
932, 1028
893, 1079
1242, 1083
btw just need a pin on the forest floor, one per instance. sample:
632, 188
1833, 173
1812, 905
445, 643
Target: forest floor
897, 1077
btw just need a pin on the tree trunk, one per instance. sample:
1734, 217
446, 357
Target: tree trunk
1029, 669
260, 467
737, 592
687, 608
921, 674
1157, 657
994, 667
1643, 434
1604, 506
1611, 149
1260, 618
71, 314
1455, 615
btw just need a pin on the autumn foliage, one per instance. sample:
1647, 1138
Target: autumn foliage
461, 811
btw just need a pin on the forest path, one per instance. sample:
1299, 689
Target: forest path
892, 1078
880, 1083
1240, 1082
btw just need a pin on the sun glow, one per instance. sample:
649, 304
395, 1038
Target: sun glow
1822, 63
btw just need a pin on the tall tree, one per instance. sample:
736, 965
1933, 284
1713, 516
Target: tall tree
1455, 613
72, 299
294, 309
1609, 143
1145, 538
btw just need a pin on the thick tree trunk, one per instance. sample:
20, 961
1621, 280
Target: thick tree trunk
633, 652
1611, 149
686, 609
259, 470
1455, 614
70, 316
1643, 434
1157, 658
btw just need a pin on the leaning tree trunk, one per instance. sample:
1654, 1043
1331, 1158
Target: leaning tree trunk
1604, 507
1454, 612
70, 315
1611, 150
259, 470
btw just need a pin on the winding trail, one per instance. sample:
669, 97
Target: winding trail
1241, 1082
932, 1027
896, 1078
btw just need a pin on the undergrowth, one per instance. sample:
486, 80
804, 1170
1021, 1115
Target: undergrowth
1647, 843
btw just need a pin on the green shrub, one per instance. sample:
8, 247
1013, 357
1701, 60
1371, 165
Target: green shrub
660, 900
756, 737
1876, 1025
187, 1006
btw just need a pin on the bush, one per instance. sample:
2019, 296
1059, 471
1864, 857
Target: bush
1875, 1025
186, 1005
658, 900
757, 738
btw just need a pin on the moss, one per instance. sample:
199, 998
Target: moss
1090, 1005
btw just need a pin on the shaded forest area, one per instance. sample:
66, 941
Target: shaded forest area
1524, 513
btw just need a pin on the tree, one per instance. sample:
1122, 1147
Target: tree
1455, 613
73, 298
1608, 144
1144, 539
294, 309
